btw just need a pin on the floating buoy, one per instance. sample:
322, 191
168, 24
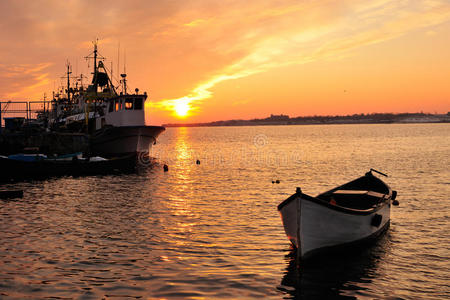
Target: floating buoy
273, 181
395, 203
277, 181
198, 161
166, 168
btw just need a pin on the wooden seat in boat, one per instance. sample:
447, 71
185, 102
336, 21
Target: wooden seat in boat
356, 199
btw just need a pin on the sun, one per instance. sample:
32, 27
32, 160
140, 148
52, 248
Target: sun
182, 109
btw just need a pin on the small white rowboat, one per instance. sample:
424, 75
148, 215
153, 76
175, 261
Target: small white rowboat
348, 215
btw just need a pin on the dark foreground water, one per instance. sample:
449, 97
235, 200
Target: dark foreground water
212, 230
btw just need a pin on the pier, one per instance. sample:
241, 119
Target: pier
28, 110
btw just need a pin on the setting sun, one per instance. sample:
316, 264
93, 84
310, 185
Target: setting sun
181, 108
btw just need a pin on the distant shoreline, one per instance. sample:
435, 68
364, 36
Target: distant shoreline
378, 118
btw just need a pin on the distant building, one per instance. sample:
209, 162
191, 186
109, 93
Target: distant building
279, 117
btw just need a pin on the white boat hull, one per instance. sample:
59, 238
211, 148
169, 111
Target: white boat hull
124, 140
320, 227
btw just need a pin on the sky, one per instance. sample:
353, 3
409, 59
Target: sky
208, 60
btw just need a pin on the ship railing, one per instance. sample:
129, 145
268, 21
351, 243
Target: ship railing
28, 110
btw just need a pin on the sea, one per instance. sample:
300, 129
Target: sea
209, 228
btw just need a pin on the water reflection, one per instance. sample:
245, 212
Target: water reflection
181, 217
181, 147
212, 230
347, 276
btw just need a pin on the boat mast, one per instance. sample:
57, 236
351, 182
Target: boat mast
124, 75
95, 65
68, 82
67, 76
95, 56
95, 84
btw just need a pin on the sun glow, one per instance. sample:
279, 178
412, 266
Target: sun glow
181, 108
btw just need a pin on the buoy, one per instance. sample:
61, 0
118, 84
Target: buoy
197, 162
273, 181
395, 203
277, 181
166, 168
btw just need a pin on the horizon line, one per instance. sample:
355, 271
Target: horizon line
283, 117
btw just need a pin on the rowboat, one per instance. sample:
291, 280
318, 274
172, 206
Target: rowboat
341, 218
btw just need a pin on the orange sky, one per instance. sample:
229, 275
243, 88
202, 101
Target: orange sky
239, 59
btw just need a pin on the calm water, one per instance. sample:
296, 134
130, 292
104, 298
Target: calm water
212, 230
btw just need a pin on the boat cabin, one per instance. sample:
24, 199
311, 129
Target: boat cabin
124, 110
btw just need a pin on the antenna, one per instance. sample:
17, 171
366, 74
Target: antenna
125, 61
118, 58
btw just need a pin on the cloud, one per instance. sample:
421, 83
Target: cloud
23, 79
195, 23
306, 32
35, 32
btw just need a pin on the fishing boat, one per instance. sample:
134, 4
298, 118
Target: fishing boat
100, 117
341, 218
115, 121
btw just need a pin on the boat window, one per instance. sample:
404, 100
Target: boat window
138, 103
128, 104
111, 106
116, 102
